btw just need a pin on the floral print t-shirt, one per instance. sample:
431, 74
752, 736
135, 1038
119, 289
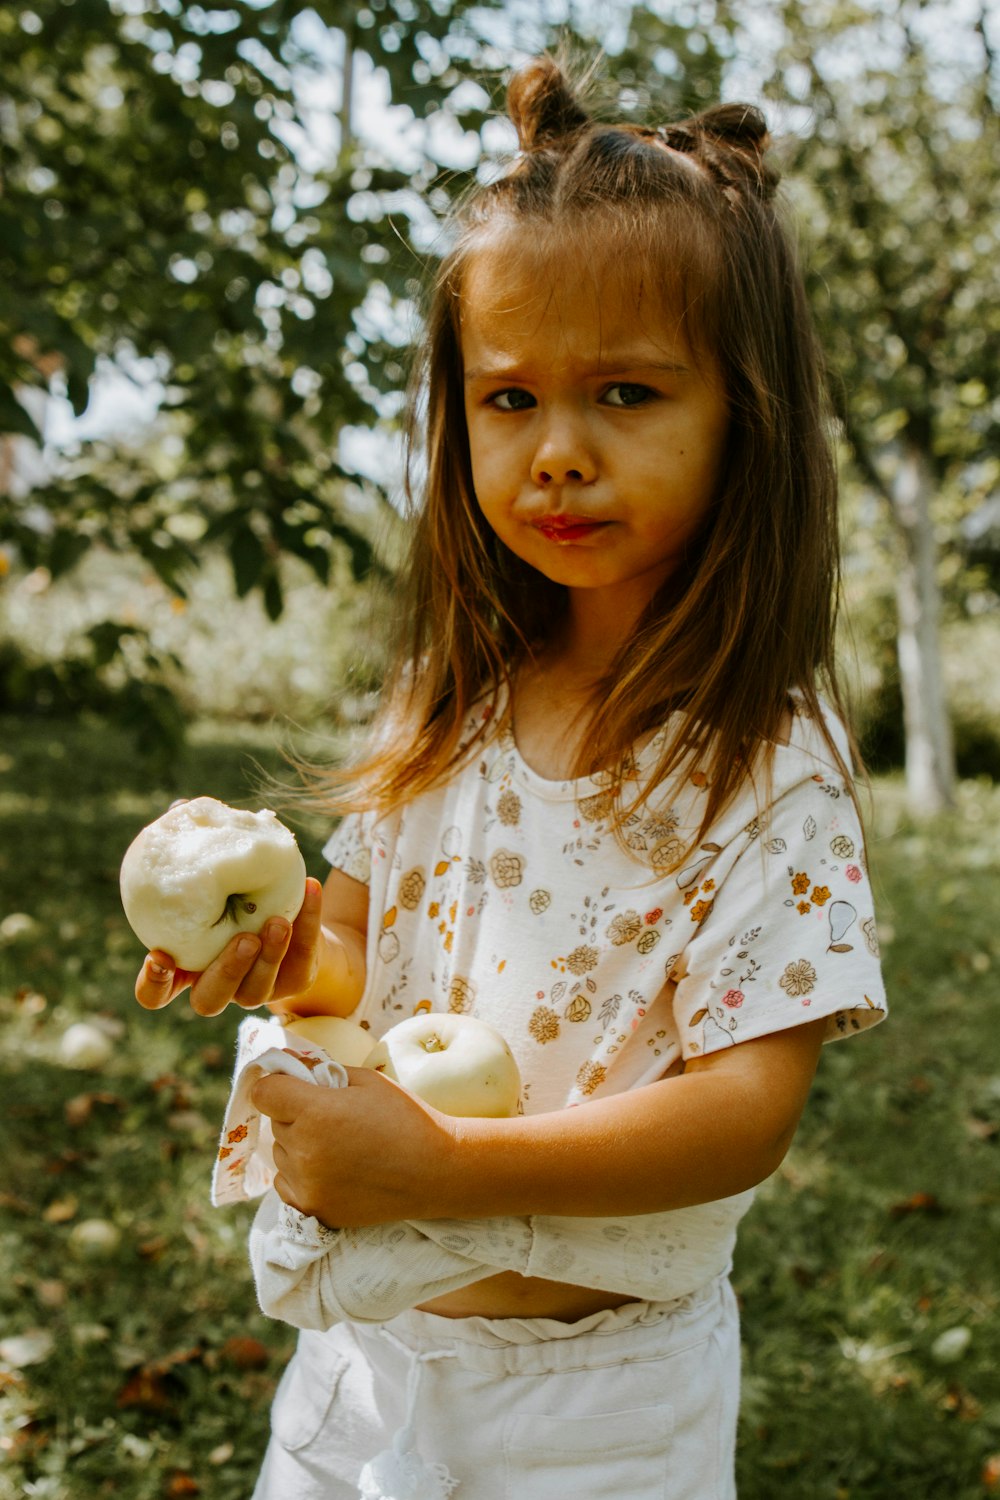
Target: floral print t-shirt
507, 896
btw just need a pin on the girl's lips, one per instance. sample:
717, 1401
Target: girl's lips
567, 528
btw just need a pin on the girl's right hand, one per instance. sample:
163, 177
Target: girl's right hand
250, 971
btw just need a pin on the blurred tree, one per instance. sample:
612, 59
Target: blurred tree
155, 205
894, 171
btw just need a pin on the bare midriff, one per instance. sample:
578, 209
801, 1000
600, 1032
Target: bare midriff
510, 1295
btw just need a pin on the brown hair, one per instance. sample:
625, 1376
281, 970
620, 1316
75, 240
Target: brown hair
750, 616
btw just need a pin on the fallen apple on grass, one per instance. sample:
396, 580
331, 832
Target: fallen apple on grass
205, 871
455, 1063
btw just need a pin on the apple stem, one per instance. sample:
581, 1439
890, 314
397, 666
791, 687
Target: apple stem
433, 1043
235, 904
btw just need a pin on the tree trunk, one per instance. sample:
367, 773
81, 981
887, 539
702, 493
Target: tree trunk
346, 92
930, 755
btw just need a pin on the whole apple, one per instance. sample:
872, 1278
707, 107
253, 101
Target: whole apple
342, 1040
205, 871
455, 1063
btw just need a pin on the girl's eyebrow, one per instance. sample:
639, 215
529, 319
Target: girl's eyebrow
627, 360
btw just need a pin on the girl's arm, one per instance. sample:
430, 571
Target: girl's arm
314, 965
717, 1129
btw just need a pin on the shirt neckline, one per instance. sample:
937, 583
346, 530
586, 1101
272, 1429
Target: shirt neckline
569, 789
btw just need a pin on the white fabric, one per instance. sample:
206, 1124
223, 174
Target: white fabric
638, 1403
313, 1277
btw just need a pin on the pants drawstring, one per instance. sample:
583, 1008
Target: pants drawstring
400, 1472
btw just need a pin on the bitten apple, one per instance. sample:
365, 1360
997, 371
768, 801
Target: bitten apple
205, 871
342, 1040
457, 1064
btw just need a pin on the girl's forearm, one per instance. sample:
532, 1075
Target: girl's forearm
706, 1134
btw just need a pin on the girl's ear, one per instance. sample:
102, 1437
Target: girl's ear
542, 105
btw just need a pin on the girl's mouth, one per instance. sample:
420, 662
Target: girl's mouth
567, 528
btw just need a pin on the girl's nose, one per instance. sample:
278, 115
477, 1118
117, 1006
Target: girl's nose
563, 456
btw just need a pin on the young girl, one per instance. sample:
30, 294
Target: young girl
605, 809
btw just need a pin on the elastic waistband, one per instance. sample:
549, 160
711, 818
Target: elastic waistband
634, 1331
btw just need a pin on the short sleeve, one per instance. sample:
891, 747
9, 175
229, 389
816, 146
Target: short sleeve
788, 933
349, 847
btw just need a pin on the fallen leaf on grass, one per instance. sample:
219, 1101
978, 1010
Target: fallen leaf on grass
79, 1109
154, 1248
917, 1203
61, 1210
15, 1204
964, 1406
181, 1484
145, 1391
990, 1477
148, 1387
245, 1353
982, 1130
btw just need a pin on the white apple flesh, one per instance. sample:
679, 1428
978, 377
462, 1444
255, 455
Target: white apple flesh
455, 1063
342, 1040
205, 871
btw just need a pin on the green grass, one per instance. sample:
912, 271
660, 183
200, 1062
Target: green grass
879, 1234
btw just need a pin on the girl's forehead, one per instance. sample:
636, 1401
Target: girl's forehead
513, 298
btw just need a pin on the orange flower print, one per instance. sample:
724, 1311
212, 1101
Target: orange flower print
800, 884
590, 1077
653, 916
820, 895
700, 910
225, 1151
544, 1025
804, 908
239, 1134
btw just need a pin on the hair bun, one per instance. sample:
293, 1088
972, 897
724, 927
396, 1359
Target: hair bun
732, 141
542, 105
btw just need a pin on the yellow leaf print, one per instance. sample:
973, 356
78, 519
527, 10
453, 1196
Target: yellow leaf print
441, 866
390, 917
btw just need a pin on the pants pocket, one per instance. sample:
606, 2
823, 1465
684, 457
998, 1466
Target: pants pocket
596, 1457
305, 1392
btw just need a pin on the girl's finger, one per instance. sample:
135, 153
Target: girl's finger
298, 968
213, 990
258, 985
154, 987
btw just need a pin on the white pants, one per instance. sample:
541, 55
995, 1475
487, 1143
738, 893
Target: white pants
638, 1403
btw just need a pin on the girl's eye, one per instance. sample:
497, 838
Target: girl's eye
627, 394
513, 400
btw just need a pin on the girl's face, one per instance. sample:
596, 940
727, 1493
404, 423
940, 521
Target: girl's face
596, 437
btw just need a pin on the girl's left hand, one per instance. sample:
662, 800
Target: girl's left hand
368, 1154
